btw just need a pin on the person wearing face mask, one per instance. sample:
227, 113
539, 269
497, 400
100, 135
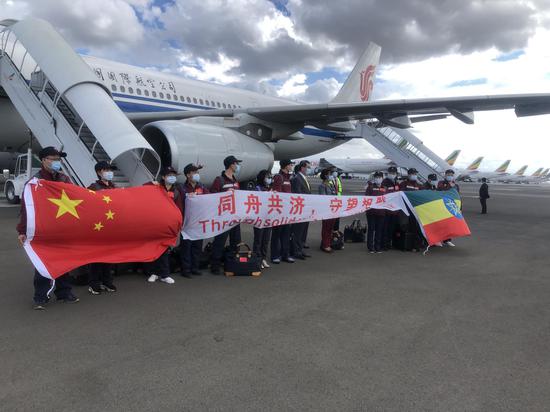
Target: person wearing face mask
225, 182
262, 235
447, 184
50, 159
300, 184
101, 279
280, 235
337, 183
160, 268
411, 183
431, 183
392, 216
327, 188
375, 217
410, 224
190, 250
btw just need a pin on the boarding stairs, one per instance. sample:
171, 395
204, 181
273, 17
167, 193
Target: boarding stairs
403, 148
65, 105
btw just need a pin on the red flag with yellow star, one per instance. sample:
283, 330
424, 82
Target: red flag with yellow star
69, 226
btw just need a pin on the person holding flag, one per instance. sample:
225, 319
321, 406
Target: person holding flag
50, 159
448, 184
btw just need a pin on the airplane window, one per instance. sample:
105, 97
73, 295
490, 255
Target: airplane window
168, 96
113, 87
161, 95
188, 99
201, 102
175, 97
130, 90
207, 102
154, 93
218, 103
146, 92
234, 107
122, 89
138, 91
182, 99
194, 100
224, 105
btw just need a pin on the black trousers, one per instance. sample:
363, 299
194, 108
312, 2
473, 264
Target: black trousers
483, 202
100, 273
280, 242
375, 231
297, 243
261, 241
304, 238
218, 246
190, 253
161, 266
390, 224
42, 285
336, 224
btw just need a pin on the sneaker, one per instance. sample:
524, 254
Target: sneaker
438, 244
371, 251
70, 299
39, 305
378, 251
264, 264
108, 288
94, 291
152, 278
449, 243
306, 246
186, 275
168, 280
276, 261
289, 260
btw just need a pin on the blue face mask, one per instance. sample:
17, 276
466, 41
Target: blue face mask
108, 175
449, 178
309, 171
56, 165
170, 179
196, 178
238, 169
268, 181
433, 182
392, 176
413, 178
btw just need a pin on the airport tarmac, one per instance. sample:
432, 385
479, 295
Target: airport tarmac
461, 329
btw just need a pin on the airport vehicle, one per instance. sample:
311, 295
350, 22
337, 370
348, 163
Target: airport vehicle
141, 119
14, 184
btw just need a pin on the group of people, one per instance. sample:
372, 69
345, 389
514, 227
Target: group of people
284, 243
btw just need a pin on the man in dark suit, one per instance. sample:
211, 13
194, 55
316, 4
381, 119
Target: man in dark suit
300, 184
484, 195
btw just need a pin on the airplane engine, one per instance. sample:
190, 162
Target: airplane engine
179, 143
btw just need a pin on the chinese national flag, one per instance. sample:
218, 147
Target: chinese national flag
69, 226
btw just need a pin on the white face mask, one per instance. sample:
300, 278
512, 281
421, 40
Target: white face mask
449, 178
433, 182
56, 165
171, 179
378, 180
196, 178
108, 175
335, 174
391, 176
237, 169
413, 178
268, 181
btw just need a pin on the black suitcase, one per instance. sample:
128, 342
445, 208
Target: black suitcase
405, 241
337, 242
206, 254
355, 232
242, 262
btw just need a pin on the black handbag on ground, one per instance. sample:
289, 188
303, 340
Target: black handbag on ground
206, 254
242, 262
355, 232
337, 242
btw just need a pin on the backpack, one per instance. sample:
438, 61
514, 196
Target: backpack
337, 242
355, 232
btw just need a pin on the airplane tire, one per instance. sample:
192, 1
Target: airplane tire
10, 194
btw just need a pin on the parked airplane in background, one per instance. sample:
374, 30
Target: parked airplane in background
516, 177
472, 168
185, 120
534, 178
451, 159
498, 172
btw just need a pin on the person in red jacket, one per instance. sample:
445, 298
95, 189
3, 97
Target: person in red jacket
101, 279
225, 182
190, 250
411, 183
391, 220
375, 217
410, 224
280, 235
431, 183
50, 170
448, 184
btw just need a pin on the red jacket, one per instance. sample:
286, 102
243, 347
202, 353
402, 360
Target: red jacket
375, 190
42, 174
223, 183
444, 185
408, 185
390, 185
101, 185
281, 182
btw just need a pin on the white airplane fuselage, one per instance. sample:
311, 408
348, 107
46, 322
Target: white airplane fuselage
139, 90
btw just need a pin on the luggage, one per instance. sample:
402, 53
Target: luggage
242, 262
355, 232
206, 254
405, 241
337, 242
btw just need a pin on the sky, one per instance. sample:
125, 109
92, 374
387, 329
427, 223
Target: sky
304, 49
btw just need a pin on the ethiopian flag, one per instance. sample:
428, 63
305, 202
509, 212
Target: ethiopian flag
69, 226
439, 214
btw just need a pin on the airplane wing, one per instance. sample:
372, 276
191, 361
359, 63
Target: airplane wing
392, 112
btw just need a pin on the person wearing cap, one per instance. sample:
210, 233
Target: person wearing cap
375, 217
50, 159
262, 235
337, 183
391, 220
225, 182
300, 184
190, 250
280, 235
411, 183
431, 183
409, 223
447, 184
326, 188
160, 268
101, 279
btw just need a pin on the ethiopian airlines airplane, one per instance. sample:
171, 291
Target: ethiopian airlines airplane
188, 121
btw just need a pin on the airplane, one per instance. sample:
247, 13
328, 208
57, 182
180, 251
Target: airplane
451, 159
534, 178
516, 177
189, 121
498, 172
463, 174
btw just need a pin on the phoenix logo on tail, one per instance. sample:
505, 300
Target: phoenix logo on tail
366, 84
